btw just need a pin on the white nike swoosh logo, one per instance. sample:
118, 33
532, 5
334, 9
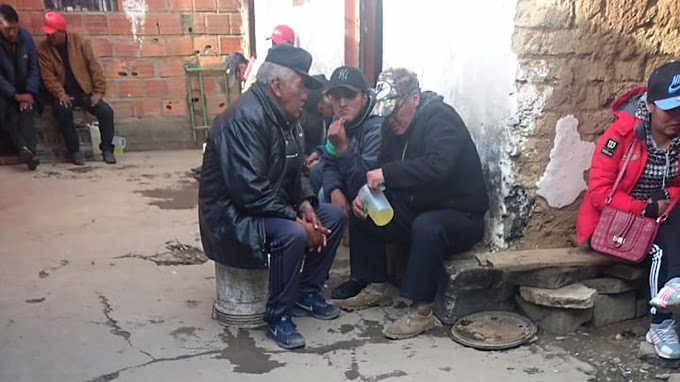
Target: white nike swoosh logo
305, 307
673, 88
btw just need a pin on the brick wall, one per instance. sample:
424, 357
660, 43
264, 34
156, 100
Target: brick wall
146, 83
588, 53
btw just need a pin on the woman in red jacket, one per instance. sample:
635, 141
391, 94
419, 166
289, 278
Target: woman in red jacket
649, 119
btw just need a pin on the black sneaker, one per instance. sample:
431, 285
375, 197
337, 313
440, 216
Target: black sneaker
313, 304
349, 288
109, 157
26, 156
78, 158
285, 333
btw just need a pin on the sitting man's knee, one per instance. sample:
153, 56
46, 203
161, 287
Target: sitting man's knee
426, 224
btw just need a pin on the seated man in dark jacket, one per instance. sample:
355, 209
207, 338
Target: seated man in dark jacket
433, 178
256, 206
19, 84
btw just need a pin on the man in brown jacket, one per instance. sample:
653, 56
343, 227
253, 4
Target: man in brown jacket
74, 77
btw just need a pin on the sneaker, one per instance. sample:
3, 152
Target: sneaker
349, 288
109, 157
27, 156
668, 298
285, 333
78, 158
417, 321
665, 339
313, 304
372, 295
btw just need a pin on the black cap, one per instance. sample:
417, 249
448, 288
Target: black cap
663, 87
349, 77
295, 59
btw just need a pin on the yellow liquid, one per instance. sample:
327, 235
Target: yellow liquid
381, 218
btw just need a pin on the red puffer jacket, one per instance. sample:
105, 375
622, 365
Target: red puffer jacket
608, 159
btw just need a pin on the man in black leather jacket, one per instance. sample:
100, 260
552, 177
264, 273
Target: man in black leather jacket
433, 179
256, 206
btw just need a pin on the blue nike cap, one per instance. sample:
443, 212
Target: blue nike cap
663, 86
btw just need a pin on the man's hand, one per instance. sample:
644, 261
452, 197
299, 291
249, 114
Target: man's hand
339, 200
65, 100
312, 159
25, 98
359, 208
95, 98
308, 214
337, 135
662, 204
375, 179
23, 106
316, 238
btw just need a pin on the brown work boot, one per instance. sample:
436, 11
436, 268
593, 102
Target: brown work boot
418, 320
371, 295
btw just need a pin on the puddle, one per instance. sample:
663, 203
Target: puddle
82, 169
184, 197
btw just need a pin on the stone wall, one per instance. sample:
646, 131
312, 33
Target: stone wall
143, 48
579, 55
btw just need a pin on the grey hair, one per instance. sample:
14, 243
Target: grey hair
269, 71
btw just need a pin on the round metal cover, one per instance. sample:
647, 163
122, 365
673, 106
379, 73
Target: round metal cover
493, 330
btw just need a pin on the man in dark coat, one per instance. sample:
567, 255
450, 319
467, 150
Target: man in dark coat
433, 178
256, 205
19, 85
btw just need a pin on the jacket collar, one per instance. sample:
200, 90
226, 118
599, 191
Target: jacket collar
271, 108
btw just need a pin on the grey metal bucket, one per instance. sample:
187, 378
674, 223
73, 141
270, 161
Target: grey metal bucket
241, 296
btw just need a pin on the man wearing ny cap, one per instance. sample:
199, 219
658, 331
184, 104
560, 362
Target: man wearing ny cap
433, 179
647, 120
73, 76
281, 34
256, 205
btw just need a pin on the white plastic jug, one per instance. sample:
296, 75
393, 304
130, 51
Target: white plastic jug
118, 145
95, 137
378, 207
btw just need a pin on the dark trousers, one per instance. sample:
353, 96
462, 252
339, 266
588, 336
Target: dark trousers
665, 259
316, 177
431, 237
18, 124
288, 277
102, 111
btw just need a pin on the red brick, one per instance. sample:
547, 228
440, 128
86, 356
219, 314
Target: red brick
216, 105
163, 24
175, 107
228, 5
125, 48
36, 21
181, 5
95, 24
115, 68
29, 5
177, 87
148, 107
141, 68
205, 5
102, 47
74, 20
156, 5
119, 25
230, 45
217, 23
205, 45
236, 24
210, 84
154, 47
210, 61
170, 67
156, 88
198, 23
178, 46
123, 109
131, 88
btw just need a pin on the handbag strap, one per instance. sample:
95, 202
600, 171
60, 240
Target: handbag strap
629, 154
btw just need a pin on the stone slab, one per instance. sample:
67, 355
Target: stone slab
542, 258
574, 296
556, 321
609, 285
623, 271
641, 306
646, 353
613, 308
553, 278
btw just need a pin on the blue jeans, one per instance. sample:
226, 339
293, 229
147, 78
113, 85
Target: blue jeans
288, 242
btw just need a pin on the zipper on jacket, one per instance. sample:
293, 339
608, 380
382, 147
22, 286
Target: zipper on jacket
403, 153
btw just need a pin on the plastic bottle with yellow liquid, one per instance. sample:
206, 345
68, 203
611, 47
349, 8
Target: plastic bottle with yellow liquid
378, 207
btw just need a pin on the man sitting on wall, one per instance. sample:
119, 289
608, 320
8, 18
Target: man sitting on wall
433, 178
74, 77
19, 85
255, 204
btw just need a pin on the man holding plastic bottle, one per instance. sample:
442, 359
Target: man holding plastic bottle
432, 176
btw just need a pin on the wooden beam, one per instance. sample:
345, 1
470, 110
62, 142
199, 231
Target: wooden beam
542, 258
352, 32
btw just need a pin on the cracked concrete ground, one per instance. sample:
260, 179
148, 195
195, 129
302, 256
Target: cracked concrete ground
82, 299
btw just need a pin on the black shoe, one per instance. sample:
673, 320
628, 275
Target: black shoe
349, 288
108, 157
78, 158
27, 156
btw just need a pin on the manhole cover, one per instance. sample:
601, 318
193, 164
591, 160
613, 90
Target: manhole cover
493, 330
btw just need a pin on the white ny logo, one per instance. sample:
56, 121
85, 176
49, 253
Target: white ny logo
342, 75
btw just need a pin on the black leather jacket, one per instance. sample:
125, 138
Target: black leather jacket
242, 179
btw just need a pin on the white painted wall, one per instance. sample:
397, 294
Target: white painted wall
318, 24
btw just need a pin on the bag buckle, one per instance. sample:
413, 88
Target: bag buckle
618, 240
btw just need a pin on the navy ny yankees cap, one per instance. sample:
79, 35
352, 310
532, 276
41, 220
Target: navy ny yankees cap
663, 87
349, 77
